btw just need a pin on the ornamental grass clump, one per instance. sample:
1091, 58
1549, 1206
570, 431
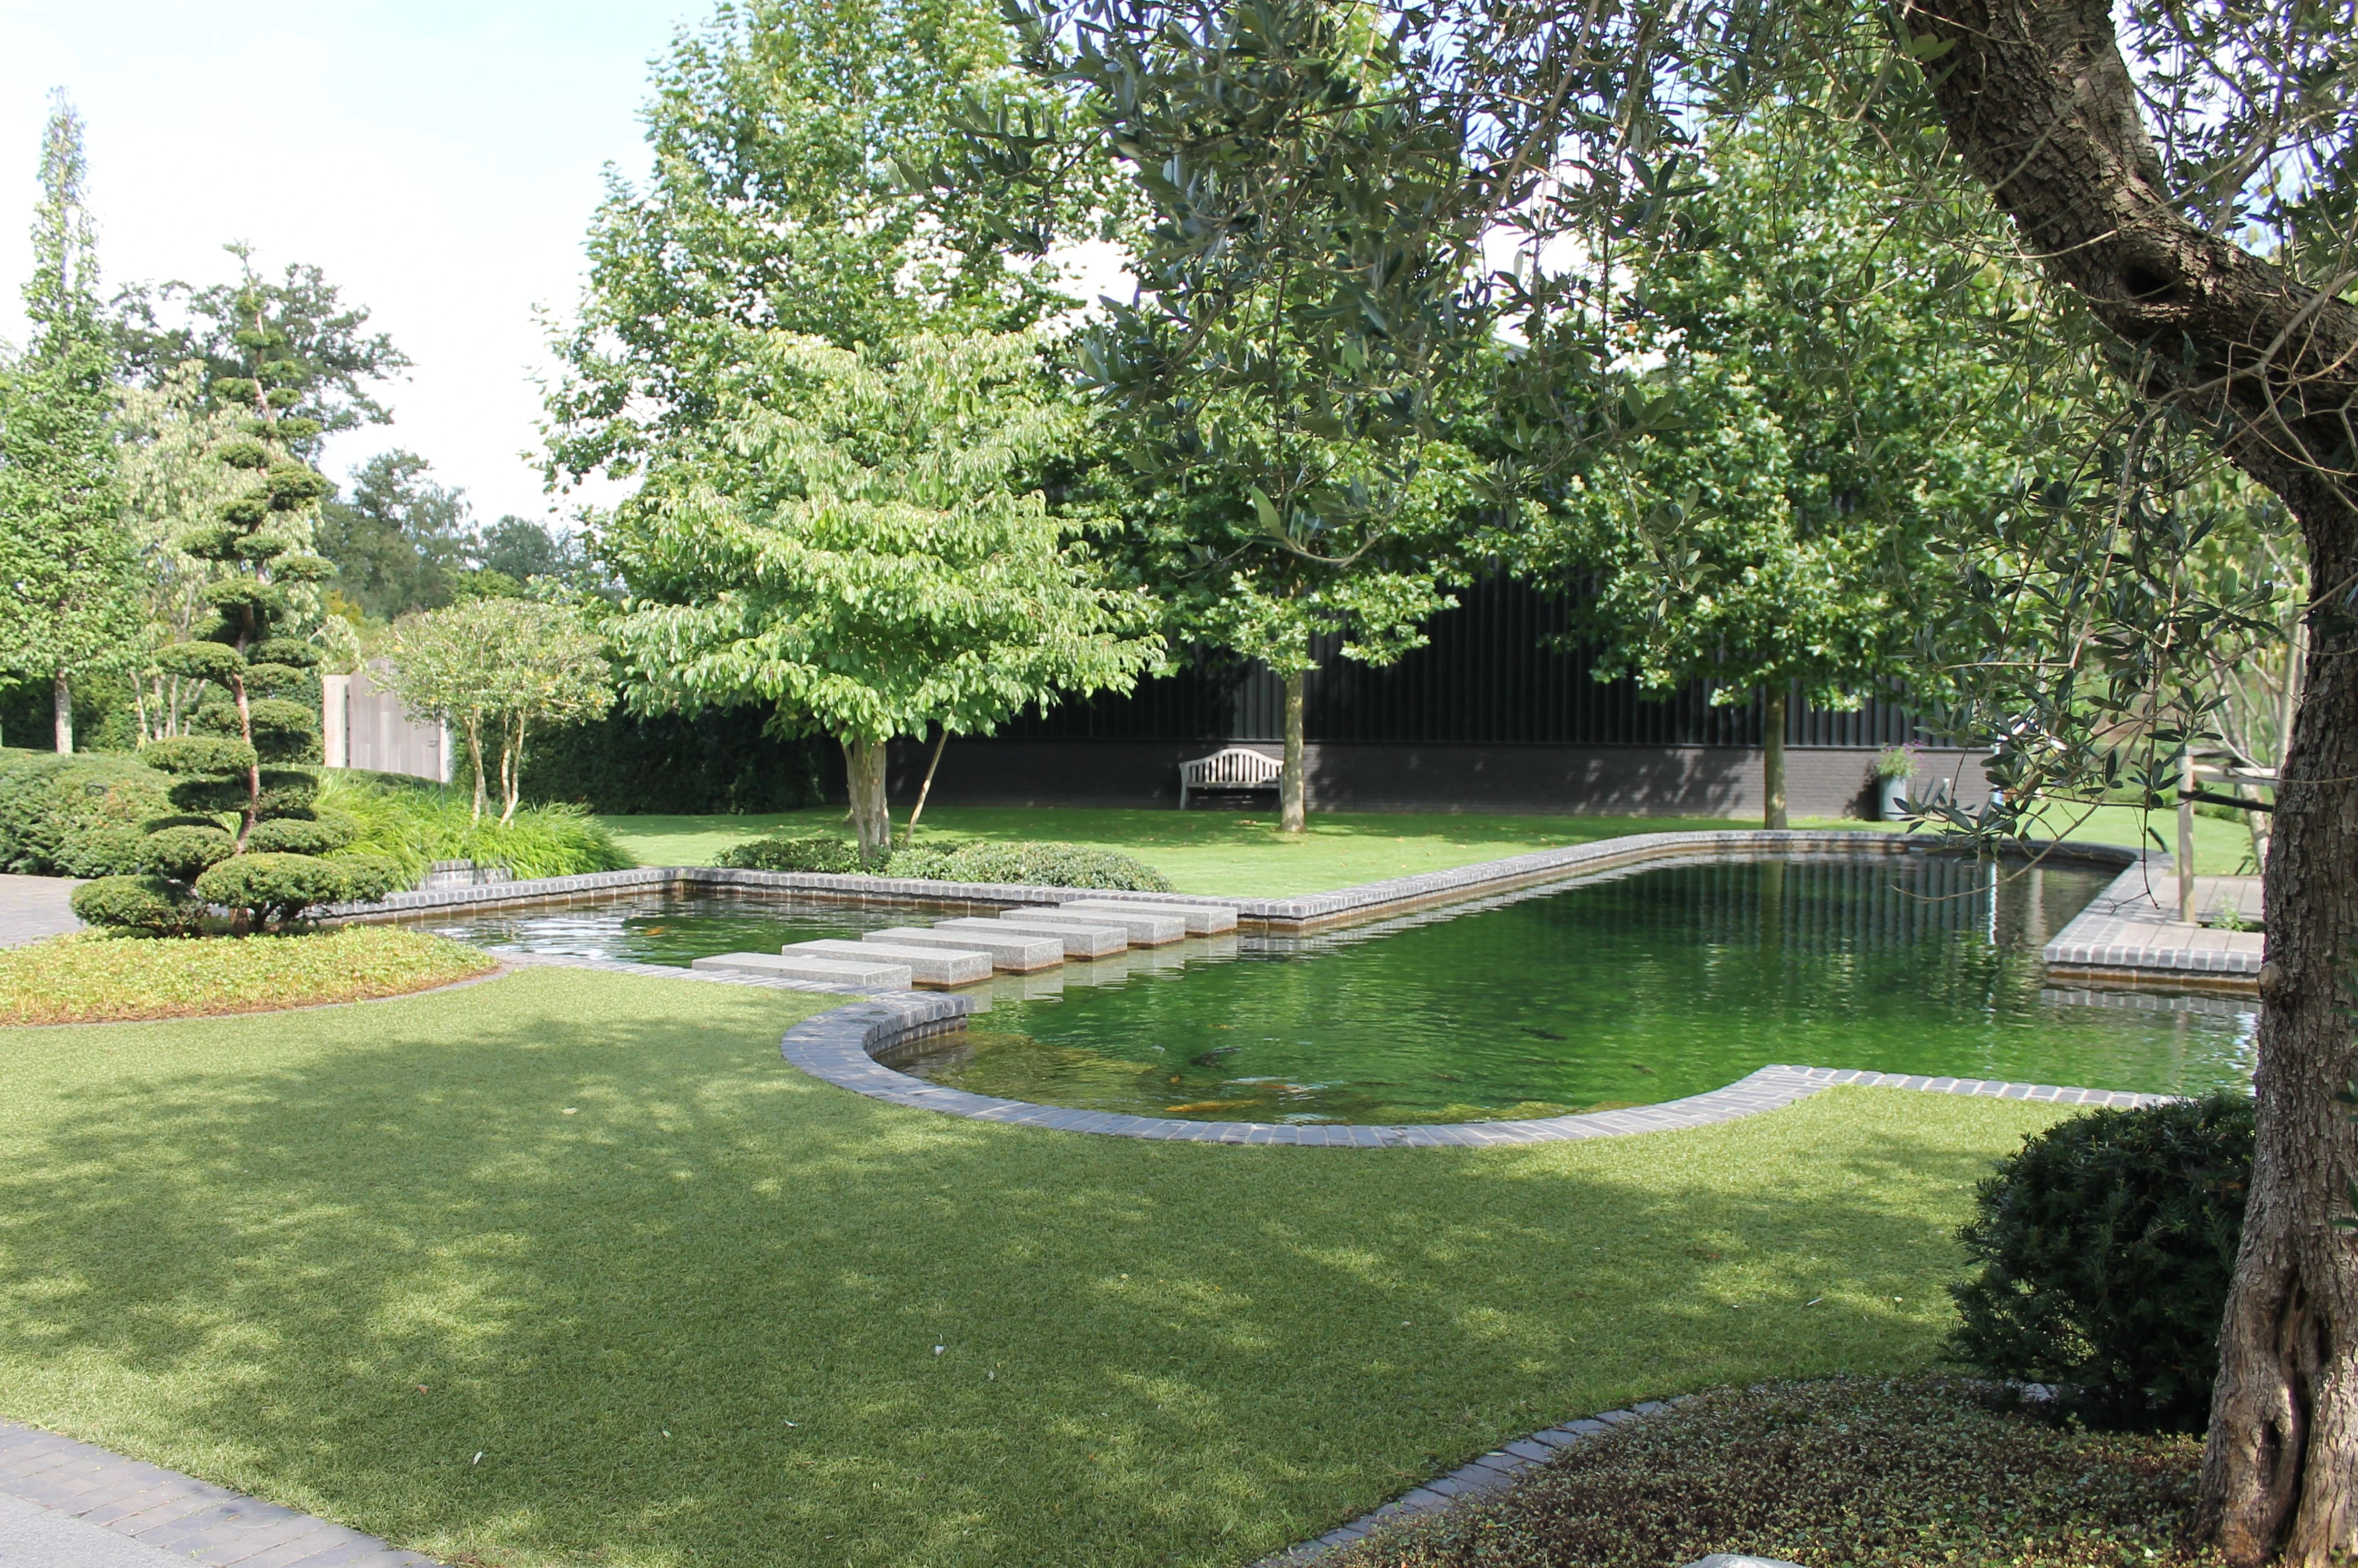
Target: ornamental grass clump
2106, 1245
247, 838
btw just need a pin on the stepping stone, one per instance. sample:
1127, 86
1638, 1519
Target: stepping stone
1015, 951
1145, 930
1203, 919
1080, 941
827, 971
930, 967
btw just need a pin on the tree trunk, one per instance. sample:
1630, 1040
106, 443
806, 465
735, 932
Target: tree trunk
863, 770
475, 750
61, 711
511, 772
925, 788
2042, 107
1772, 758
1292, 810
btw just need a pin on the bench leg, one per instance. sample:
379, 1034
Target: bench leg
1183, 795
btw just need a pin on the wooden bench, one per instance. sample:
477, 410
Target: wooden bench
1238, 767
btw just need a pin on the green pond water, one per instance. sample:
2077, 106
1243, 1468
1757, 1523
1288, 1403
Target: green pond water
1624, 991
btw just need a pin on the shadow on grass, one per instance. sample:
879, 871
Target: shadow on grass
686, 1304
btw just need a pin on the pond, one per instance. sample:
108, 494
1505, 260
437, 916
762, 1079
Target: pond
1621, 989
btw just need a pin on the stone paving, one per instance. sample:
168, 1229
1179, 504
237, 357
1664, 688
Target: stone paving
93, 1499
35, 907
2131, 932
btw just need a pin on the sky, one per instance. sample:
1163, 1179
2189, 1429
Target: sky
438, 161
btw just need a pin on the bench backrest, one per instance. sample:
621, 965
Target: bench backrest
1237, 765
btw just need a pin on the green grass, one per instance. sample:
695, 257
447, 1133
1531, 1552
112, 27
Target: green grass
89, 977
591, 1227
1244, 854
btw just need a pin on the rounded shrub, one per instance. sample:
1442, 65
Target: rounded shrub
272, 889
814, 853
367, 876
80, 815
137, 903
197, 755
1035, 864
2105, 1248
186, 853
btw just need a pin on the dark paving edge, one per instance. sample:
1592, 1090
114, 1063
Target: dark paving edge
177, 1513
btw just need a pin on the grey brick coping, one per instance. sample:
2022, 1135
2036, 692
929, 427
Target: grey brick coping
841, 1046
1488, 1472
2127, 934
179, 1514
1312, 912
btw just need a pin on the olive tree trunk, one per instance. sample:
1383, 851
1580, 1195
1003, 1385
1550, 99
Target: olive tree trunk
1292, 810
1772, 758
2040, 105
863, 770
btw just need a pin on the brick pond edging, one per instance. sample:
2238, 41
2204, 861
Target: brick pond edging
2127, 936
1312, 911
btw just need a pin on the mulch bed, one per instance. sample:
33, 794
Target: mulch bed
1850, 1471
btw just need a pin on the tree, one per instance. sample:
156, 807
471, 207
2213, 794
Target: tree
859, 543
777, 202
69, 565
400, 541
1831, 408
327, 357
512, 662
1283, 380
2180, 181
522, 549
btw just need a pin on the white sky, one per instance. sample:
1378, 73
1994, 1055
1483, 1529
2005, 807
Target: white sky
438, 161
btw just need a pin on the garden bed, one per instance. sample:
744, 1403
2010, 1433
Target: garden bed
92, 978
1848, 1470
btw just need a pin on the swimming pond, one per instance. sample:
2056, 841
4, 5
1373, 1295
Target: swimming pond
1621, 990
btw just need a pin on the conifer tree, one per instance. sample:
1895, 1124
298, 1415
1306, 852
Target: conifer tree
67, 564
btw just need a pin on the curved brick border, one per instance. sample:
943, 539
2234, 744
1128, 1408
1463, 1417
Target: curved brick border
841, 1046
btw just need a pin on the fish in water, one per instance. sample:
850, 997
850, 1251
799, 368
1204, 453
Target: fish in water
1636, 1068
1211, 1058
1543, 1033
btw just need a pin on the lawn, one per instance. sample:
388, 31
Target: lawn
1245, 856
691, 1307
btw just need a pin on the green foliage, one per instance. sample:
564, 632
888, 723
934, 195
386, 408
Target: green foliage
399, 542
1037, 864
79, 816
412, 824
793, 188
70, 567
2106, 1245
721, 760
156, 905
866, 551
809, 852
1040, 865
292, 336
296, 836
273, 889
185, 853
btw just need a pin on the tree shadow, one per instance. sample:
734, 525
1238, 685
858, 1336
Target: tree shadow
685, 1303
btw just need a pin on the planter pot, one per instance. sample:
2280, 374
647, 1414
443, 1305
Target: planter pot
1890, 796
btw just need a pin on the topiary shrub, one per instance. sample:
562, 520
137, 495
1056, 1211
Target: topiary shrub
2106, 1245
273, 889
814, 853
299, 836
368, 878
152, 904
1037, 864
186, 853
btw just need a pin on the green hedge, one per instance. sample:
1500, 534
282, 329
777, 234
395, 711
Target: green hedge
1035, 864
82, 816
667, 764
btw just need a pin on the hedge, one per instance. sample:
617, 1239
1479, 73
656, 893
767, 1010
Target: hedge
80, 815
667, 764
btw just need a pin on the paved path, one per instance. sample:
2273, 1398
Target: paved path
35, 907
68, 1505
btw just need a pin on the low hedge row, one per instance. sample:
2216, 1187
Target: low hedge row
1036, 864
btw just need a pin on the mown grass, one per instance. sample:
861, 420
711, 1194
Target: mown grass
692, 1307
1244, 854
1876, 1474
89, 977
